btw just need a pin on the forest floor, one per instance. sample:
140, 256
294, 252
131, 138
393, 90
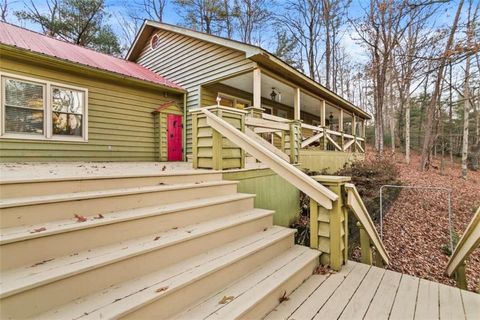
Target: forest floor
415, 229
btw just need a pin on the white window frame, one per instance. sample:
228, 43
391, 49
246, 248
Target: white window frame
234, 99
47, 110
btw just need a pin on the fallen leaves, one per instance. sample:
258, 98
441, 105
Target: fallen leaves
322, 270
226, 299
162, 289
41, 262
99, 216
80, 218
415, 227
283, 297
38, 230
156, 238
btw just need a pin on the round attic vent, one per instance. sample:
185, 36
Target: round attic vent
154, 42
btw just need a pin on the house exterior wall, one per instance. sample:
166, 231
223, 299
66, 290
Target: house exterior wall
191, 63
120, 123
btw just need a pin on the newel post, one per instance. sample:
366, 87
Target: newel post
329, 228
295, 140
365, 245
210, 150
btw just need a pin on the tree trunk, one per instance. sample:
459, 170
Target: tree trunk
407, 128
428, 140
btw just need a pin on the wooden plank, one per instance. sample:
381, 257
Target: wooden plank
316, 300
358, 305
267, 145
469, 241
471, 304
340, 298
451, 306
296, 177
255, 122
312, 139
427, 300
405, 300
354, 201
297, 298
382, 302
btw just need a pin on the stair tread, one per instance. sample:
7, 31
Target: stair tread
21, 233
42, 199
143, 290
171, 173
26, 277
246, 292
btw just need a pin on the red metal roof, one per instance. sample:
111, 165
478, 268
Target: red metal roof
36, 42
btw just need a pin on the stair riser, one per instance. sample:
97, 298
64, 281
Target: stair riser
43, 298
13, 190
32, 251
263, 307
41, 213
174, 302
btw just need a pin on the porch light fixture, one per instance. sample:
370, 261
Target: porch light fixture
330, 117
275, 93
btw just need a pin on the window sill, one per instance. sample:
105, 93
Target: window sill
13, 136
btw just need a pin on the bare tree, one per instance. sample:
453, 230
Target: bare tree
203, 15
428, 137
303, 22
4, 10
251, 15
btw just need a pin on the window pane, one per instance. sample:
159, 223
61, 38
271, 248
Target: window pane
21, 120
23, 94
66, 100
67, 124
226, 102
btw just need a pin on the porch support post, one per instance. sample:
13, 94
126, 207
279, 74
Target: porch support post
257, 88
322, 113
323, 141
296, 104
340, 128
354, 132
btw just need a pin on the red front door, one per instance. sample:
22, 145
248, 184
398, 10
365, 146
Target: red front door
174, 134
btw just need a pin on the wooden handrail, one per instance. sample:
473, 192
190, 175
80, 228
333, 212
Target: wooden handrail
274, 118
469, 242
290, 173
266, 144
256, 122
355, 203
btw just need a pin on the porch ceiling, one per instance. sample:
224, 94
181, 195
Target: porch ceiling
308, 103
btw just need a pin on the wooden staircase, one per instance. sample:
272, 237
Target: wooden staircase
177, 245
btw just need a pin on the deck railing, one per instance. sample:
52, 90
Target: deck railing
326, 200
469, 242
369, 238
331, 140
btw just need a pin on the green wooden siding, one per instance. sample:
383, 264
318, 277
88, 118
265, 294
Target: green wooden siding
120, 123
272, 192
190, 63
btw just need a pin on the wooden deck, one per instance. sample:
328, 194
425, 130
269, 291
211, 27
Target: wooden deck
360, 291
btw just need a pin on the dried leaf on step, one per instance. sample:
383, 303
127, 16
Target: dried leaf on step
41, 262
283, 297
80, 218
161, 289
321, 270
38, 230
100, 216
226, 299
164, 168
156, 238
